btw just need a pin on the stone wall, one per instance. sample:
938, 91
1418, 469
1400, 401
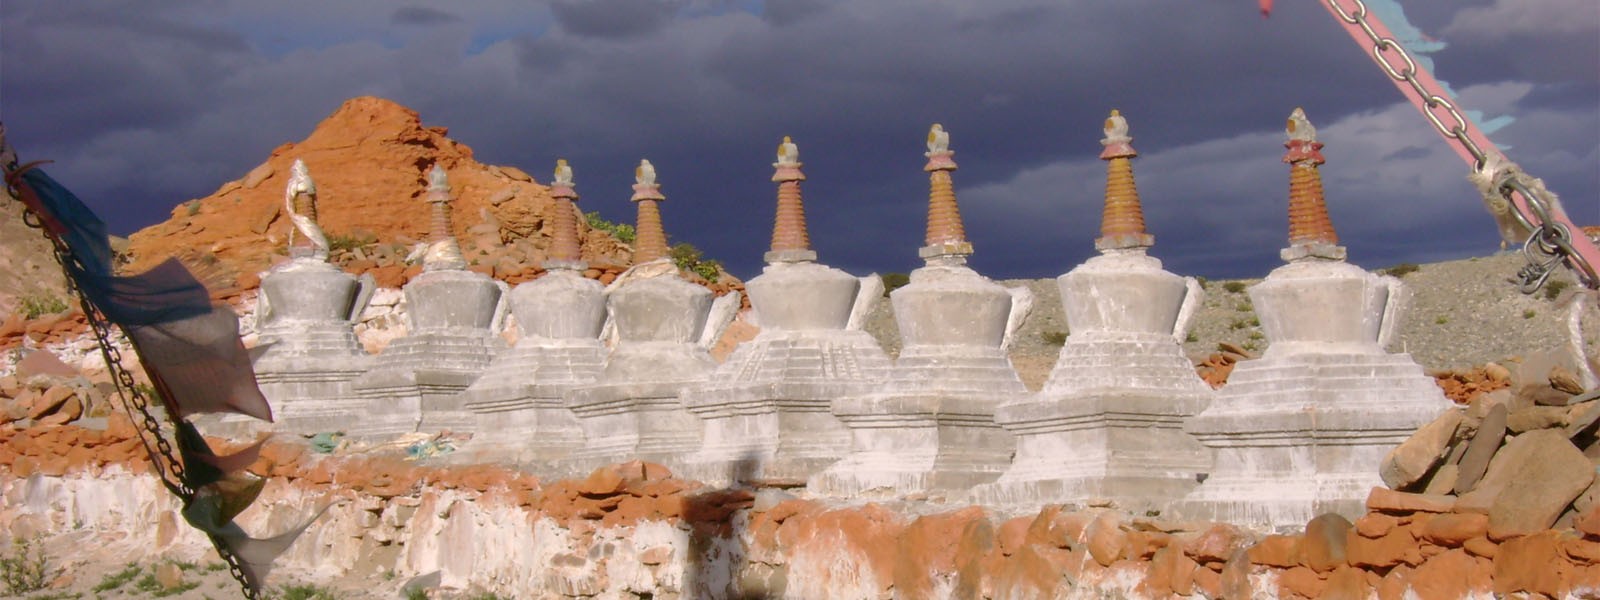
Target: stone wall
635, 531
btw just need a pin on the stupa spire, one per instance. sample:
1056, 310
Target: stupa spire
1122, 222
444, 253
650, 241
790, 241
565, 253
1311, 233
300, 201
947, 237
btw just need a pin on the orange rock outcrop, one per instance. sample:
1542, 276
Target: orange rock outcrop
370, 160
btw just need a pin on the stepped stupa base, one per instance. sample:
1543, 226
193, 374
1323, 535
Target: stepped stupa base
1123, 446
417, 383
1295, 435
632, 421
917, 443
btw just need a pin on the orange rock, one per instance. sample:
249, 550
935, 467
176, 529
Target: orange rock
1208, 582
1034, 569
867, 538
927, 550
665, 487
1012, 535
1387, 500
1236, 576
1347, 583
80, 458
1275, 551
788, 508
1375, 525
1143, 544
1454, 529
1397, 547
672, 506
1580, 550
1395, 584
1529, 564
1104, 538
1301, 581
118, 426
388, 276
1481, 546
594, 508
1042, 529
1587, 523
977, 558
1216, 544
603, 481
1448, 575
51, 401
1323, 546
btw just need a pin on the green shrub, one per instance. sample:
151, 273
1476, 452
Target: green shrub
345, 242
26, 568
35, 305
894, 281
1234, 287
1191, 338
1402, 269
1440, 320
623, 233
689, 258
1528, 314
1054, 338
1553, 289
118, 579
310, 592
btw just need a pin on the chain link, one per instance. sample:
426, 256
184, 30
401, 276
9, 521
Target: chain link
1550, 242
169, 469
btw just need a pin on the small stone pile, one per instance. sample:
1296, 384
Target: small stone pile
41, 390
1217, 366
55, 451
44, 329
1522, 453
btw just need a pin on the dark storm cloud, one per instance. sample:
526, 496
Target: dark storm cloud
171, 104
788, 12
613, 18
421, 15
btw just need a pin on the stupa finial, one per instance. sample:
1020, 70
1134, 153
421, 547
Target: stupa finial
565, 252
946, 236
1122, 222
650, 240
1311, 233
444, 253
790, 240
300, 202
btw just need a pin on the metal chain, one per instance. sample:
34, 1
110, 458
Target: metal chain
1550, 242
169, 469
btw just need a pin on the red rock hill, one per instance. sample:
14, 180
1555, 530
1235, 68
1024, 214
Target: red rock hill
369, 160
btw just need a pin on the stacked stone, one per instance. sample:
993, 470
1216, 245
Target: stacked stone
932, 427
767, 413
1296, 432
660, 319
1108, 424
42, 390
306, 317
519, 403
44, 330
454, 319
1520, 454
